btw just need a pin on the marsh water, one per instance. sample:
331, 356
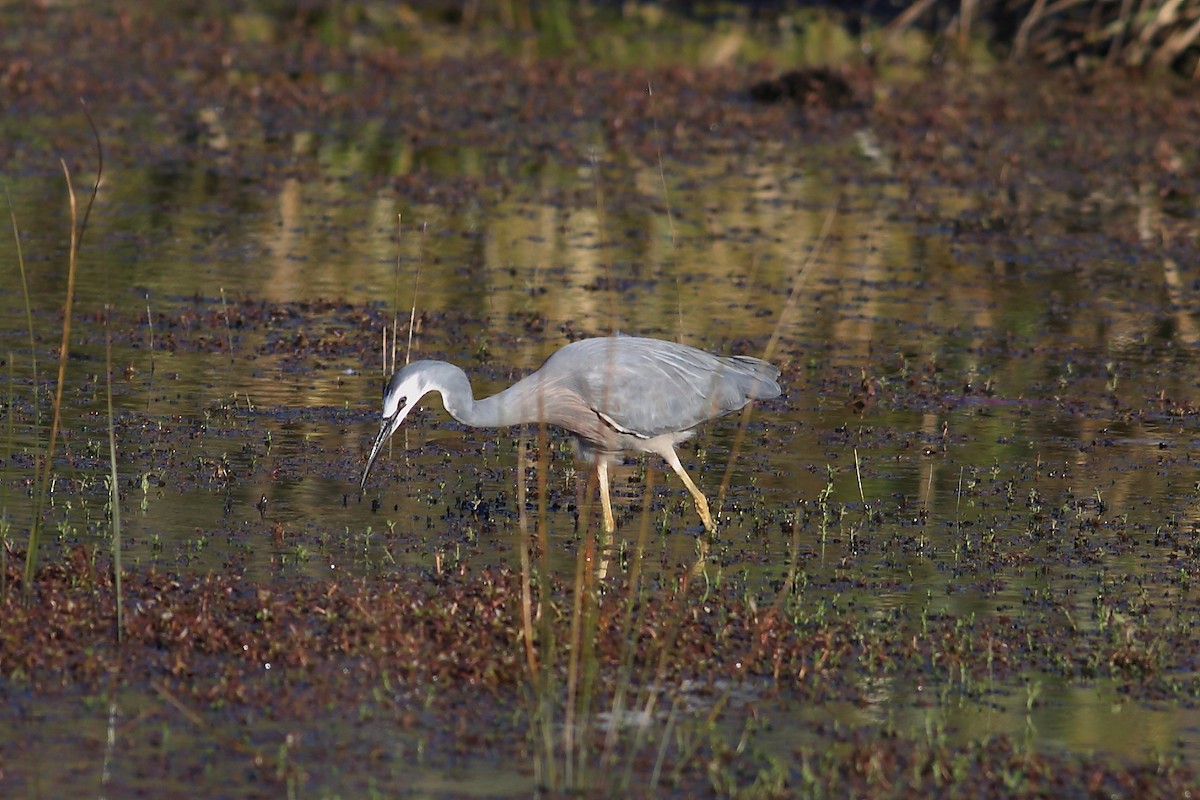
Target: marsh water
986, 422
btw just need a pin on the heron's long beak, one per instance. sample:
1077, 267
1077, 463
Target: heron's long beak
385, 430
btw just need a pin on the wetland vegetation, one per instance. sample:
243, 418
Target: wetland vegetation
957, 557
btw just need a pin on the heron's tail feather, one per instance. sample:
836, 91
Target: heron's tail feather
756, 379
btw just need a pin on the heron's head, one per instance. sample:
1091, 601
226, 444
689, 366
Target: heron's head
400, 395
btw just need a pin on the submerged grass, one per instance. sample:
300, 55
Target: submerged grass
595, 718
613, 722
423, 650
600, 662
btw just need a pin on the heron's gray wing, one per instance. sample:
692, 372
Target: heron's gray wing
649, 387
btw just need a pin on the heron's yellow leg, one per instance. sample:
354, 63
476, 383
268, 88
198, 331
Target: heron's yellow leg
605, 500
701, 501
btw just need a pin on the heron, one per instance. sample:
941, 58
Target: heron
613, 394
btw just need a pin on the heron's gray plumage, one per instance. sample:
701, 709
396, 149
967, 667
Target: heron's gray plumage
613, 393
649, 387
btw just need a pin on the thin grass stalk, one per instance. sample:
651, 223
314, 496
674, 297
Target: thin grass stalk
634, 612
799, 278
150, 331
191, 715
383, 343
958, 505
1021, 40
576, 636
966, 18
543, 497
1175, 45
412, 316
228, 328
110, 745
115, 498
789, 585
37, 421
906, 19
8, 448
648, 706
665, 643
526, 541
396, 304
662, 177
37, 406
546, 638
929, 490
611, 293
685, 755
785, 318
858, 474
589, 664
656, 773
78, 227
1118, 41
533, 671
43, 479
1163, 17
581, 664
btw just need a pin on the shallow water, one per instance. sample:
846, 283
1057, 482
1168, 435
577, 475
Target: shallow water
991, 430
983, 405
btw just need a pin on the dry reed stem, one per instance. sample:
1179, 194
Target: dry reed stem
42, 475
785, 319
662, 176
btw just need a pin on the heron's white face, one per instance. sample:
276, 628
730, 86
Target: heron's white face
399, 398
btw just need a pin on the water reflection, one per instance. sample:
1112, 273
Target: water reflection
984, 430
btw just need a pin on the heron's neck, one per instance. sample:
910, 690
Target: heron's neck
513, 406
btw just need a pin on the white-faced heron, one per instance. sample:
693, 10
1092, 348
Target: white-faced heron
614, 393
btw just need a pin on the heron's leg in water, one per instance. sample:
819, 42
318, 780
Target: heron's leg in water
701, 502
605, 501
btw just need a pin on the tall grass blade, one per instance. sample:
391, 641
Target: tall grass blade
4, 524
543, 686
228, 329
785, 319
858, 474
525, 544
12, 214
396, 307
412, 314
114, 489
42, 477
633, 614
662, 177
150, 330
